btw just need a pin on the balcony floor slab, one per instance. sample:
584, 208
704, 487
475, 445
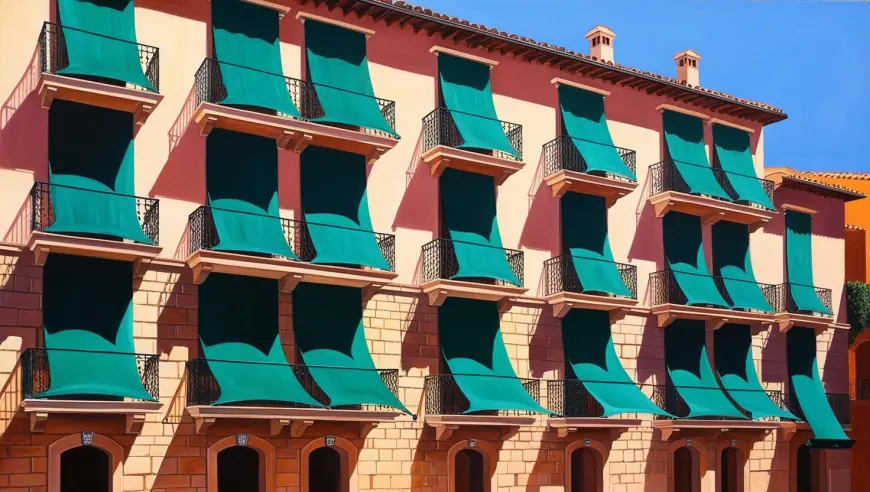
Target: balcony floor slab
141, 255
439, 290
563, 302
669, 427
709, 209
140, 103
786, 321
442, 157
298, 419
445, 425
714, 317
566, 425
564, 181
134, 412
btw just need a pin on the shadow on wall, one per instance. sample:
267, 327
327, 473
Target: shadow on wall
418, 209
774, 367
545, 346
290, 182
835, 375
828, 220
183, 175
420, 349
177, 318
651, 356
199, 11
648, 241
541, 230
23, 125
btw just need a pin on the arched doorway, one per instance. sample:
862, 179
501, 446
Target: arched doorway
686, 477
585, 472
469, 476
239, 469
85, 468
731, 470
804, 469
325, 472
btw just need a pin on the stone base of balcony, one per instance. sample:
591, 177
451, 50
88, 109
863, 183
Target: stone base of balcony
589, 184
714, 317
288, 273
439, 290
790, 429
297, 419
291, 133
713, 428
141, 255
444, 425
134, 412
140, 103
709, 209
614, 427
785, 322
618, 307
442, 157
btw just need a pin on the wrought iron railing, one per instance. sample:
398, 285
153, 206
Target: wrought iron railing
203, 235
210, 88
440, 129
561, 276
668, 398
54, 55
204, 389
562, 154
862, 389
43, 214
784, 302
664, 176
664, 288
440, 262
839, 402
444, 397
570, 398
36, 370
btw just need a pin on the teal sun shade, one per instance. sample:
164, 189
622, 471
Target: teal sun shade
684, 136
799, 262
733, 263
735, 158
684, 251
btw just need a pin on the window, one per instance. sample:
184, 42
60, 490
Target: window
84, 468
730, 471
324, 471
238, 469
469, 472
585, 472
686, 477
682, 62
804, 470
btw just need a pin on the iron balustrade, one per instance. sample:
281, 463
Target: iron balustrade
36, 371
562, 154
440, 129
210, 88
570, 398
445, 397
561, 276
664, 176
862, 389
203, 235
668, 398
785, 302
53, 54
204, 389
664, 288
839, 403
43, 215
439, 261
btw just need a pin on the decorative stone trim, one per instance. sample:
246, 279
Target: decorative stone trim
490, 460
349, 456
263, 448
86, 438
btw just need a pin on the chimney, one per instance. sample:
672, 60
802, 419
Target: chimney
601, 43
687, 67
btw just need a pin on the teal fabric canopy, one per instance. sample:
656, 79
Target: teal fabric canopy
732, 262
469, 215
90, 160
337, 210
684, 251
247, 46
584, 237
803, 372
734, 363
238, 332
684, 136
328, 325
735, 158
689, 371
471, 342
242, 185
799, 262
588, 343
100, 40
465, 89
339, 68
90, 344
584, 120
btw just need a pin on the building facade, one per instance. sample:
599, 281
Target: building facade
341, 245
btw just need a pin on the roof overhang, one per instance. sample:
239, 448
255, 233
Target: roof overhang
797, 182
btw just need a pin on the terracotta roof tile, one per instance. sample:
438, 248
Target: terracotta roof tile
853, 227
806, 178
838, 174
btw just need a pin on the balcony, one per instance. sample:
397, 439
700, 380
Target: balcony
203, 390
668, 302
441, 141
788, 314
839, 403
53, 58
669, 192
565, 170
202, 236
574, 408
36, 379
289, 132
565, 292
446, 404
440, 265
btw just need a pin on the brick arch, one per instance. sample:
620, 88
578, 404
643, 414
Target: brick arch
267, 461
700, 451
490, 460
105, 444
601, 453
744, 449
348, 453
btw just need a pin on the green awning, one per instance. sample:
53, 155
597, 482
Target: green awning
90, 158
684, 136
242, 184
87, 309
238, 332
732, 351
735, 158
469, 215
689, 371
732, 262
584, 120
471, 342
585, 238
247, 46
465, 89
803, 372
328, 326
799, 262
336, 208
684, 251
588, 342
339, 68
100, 38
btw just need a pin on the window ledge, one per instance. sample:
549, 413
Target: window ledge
140, 103
442, 157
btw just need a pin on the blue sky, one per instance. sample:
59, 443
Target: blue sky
810, 58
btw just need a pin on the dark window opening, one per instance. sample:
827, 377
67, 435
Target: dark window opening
85, 469
804, 469
468, 471
584, 471
238, 470
684, 471
730, 470
324, 471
